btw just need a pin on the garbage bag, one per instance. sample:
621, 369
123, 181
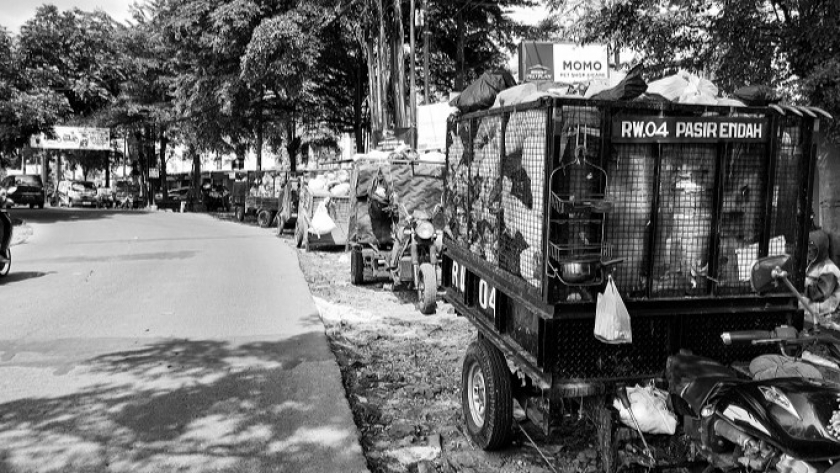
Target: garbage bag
629, 88
612, 321
321, 223
482, 93
757, 95
514, 95
650, 408
670, 87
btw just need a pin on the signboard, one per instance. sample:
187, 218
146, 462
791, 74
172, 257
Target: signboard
562, 62
655, 129
72, 137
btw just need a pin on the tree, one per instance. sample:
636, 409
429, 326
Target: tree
27, 106
782, 43
74, 54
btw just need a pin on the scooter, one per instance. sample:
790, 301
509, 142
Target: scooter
6, 235
735, 423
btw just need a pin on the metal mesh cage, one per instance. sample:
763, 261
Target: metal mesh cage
687, 218
742, 215
522, 193
785, 222
684, 220
631, 185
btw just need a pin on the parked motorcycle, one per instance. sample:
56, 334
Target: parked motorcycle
6, 235
419, 239
735, 423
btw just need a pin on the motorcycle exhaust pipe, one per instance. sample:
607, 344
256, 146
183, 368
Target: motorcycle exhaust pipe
734, 435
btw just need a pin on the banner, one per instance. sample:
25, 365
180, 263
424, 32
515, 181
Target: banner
72, 137
656, 129
562, 62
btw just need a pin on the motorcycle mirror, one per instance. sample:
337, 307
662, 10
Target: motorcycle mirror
763, 276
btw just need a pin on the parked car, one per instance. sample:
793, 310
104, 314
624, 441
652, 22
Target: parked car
173, 199
127, 194
28, 189
73, 193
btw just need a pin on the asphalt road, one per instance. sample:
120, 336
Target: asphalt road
160, 342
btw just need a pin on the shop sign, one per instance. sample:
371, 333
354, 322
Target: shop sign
562, 62
654, 129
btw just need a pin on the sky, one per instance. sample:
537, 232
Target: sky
14, 13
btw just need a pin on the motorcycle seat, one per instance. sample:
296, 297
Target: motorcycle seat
694, 379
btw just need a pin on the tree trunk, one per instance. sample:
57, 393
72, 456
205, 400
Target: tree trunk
196, 165
292, 145
459, 55
400, 115
164, 141
357, 104
259, 132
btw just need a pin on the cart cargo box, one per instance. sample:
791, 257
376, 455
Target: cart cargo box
544, 200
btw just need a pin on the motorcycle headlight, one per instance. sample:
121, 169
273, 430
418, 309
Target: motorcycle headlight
425, 230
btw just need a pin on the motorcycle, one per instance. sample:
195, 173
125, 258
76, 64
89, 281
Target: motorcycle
417, 243
736, 423
6, 235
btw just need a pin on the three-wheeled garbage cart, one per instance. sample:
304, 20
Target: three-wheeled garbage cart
396, 224
548, 200
336, 204
259, 195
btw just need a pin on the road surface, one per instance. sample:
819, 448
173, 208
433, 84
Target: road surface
138, 341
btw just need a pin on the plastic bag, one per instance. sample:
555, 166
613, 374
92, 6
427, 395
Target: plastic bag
650, 409
612, 321
321, 223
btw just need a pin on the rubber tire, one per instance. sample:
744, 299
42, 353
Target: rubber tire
240, 214
496, 429
264, 218
4, 269
427, 289
357, 267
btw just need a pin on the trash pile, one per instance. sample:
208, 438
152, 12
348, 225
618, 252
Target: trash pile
499, 89
401, 153
269, 185
332, 184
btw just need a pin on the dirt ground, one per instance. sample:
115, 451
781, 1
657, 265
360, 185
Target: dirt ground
402, 373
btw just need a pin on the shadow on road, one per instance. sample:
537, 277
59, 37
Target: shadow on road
14, 277
188, 406
53, 215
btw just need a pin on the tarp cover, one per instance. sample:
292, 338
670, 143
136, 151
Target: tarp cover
413, 185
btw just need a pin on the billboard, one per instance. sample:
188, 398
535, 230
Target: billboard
562, 62
74, 137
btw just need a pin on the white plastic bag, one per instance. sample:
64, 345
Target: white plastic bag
321, 223
650, 409
612, 321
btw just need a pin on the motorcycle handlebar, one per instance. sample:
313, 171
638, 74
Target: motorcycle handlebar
745, 336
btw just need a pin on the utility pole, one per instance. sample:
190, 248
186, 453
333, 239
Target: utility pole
459, 55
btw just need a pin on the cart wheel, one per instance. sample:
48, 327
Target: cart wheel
357, 266
264, 218
427, 289
240, 214
5, 267
486, 396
